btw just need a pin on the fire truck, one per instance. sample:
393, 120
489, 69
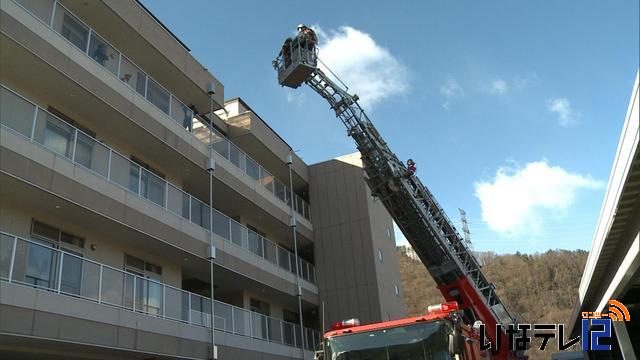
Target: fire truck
448, 330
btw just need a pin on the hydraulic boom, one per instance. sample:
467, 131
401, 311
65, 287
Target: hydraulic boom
413, 207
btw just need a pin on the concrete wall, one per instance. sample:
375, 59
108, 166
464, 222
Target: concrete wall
349, 230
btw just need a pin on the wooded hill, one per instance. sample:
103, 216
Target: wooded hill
539, 288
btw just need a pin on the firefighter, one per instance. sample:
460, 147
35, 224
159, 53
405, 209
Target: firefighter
411, 167
307, 37
285, 52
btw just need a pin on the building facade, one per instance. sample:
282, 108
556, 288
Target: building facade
109, 127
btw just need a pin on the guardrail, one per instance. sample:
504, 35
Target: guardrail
39, 264
42, 127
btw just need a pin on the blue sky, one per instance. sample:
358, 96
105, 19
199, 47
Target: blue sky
511, 109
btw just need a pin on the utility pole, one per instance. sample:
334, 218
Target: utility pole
211, 256
292, 223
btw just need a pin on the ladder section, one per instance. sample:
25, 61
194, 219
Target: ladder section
413, 207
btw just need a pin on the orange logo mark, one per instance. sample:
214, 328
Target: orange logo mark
617, 311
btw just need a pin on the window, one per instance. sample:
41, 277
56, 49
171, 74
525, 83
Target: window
380, 255
396, 290
148, 298
142, 268
42, 261
259, 306
56, 237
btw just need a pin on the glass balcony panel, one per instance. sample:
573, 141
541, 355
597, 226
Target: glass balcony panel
304, 270
114, 283
177, 304
181, 114
177, 201
223, 316
80, 277
252, 169
270, 252
308, 339
200, 213
279, 190
238, 234
42, 9
16, 113
292, 261
54, 134
6, 251
103, 53
266, 179
92, 154
158, 96
283, 258
312, 273
297, 335
200, 310
287, 334
148, 297
255, 243
221, 146
221, 225
241, 321
153, 187
35, 264
124, 172
307, 211
259, 325
275, 330
236, 156
71, 28
298, 203
132, 76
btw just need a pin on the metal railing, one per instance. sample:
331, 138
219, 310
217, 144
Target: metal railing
42, 127
40, 265
250, 167
87, 40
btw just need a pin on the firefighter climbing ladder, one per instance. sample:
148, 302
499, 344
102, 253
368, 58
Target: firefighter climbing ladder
412, 206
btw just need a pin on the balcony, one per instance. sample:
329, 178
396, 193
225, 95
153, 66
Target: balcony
250, 167
70, 27
39, 265
83, 37
41, 127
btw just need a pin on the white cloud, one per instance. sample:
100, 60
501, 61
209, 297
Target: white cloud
450, 90
297, 98
366, 67
562, 107
499, 87
517, 200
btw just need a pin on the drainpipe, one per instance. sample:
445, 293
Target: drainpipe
292, 223
211, 167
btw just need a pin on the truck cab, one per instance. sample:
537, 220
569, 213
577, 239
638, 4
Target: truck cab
438, 335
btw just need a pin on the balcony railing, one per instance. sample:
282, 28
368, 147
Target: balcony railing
250, 167
87, 40
40, 265
41, 127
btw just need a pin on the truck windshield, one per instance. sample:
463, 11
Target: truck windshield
422, 341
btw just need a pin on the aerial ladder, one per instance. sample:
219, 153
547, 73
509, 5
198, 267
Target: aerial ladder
413, 207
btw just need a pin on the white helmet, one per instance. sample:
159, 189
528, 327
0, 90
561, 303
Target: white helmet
300, 26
